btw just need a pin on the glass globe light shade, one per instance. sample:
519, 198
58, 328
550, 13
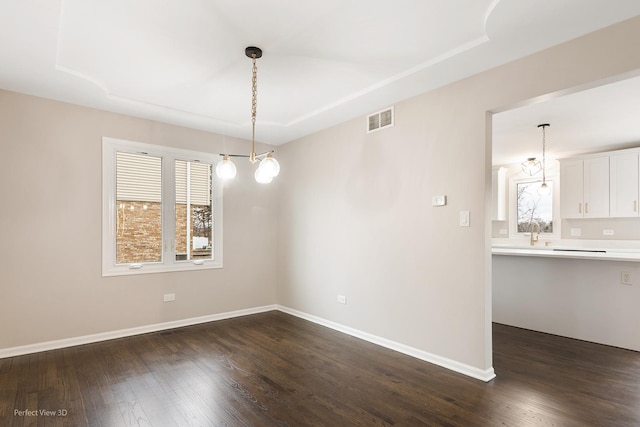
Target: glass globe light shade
544, 189
226, 169
262, 177
270, 166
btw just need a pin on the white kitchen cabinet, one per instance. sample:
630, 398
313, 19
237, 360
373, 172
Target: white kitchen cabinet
624, 185
596, 187
498, 194
571, 188
584, 187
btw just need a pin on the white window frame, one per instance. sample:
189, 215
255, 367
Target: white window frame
513, 206
110, 146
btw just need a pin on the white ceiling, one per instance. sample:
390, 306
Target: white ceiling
597, 119
325, 61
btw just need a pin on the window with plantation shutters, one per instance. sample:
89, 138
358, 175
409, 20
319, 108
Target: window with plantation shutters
162, 209
138, 208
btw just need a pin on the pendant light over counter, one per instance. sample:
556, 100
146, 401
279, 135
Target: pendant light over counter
532, 166
544, 189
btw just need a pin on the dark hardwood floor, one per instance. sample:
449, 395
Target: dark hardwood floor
273, 369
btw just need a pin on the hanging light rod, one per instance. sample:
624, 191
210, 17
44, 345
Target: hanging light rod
268, 167
544, 187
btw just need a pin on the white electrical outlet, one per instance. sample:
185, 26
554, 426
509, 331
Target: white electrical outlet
169, 297
607, 232
503, 232
625, 278
342, 299
576, 232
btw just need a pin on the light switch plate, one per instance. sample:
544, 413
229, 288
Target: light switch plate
464, 218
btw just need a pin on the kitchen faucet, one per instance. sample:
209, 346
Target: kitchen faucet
533, 240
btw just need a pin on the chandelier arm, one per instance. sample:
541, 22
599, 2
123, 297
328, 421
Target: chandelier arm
265, 153
257, 156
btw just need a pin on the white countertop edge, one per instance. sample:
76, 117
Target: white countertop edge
610, 255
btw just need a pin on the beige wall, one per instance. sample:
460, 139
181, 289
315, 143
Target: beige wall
50, 224
355, 209
353, 215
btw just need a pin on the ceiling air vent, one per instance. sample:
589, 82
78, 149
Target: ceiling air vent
380, 120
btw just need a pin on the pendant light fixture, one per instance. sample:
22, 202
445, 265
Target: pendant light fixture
269, 166
531, 166
544, 189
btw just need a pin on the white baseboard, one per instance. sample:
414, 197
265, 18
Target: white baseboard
87, 339
483, 375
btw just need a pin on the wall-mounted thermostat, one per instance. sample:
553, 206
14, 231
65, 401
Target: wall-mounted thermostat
438, 200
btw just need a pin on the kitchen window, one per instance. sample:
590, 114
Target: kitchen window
534, 211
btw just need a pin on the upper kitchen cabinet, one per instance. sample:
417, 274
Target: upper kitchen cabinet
603, 185
596, 187
625, 184
571, 188
584, 187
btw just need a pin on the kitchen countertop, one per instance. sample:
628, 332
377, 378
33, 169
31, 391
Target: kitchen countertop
595, 250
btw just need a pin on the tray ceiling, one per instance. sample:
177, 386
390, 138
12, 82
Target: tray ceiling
324, 61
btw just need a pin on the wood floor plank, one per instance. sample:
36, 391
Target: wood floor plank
273, 369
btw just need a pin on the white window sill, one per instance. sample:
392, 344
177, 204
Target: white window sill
149, 268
